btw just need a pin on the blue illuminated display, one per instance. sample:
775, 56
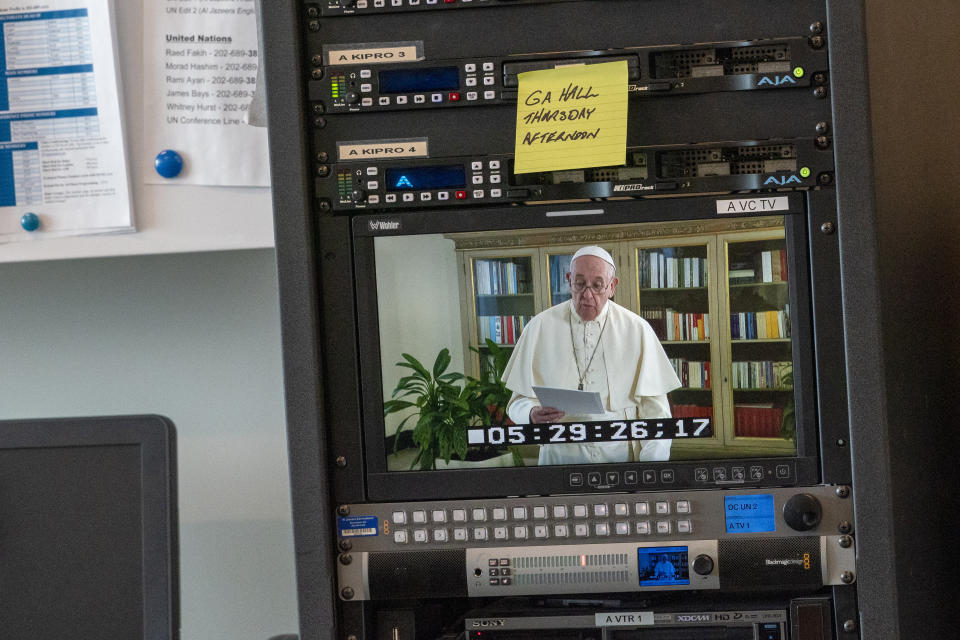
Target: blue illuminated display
659, 566
441, 177
413, 80
749, 513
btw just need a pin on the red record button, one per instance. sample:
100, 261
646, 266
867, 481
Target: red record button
454, 96
461, 195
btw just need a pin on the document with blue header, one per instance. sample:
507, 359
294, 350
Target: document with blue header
62, 153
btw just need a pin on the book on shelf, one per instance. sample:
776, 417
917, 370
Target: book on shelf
669, 324
501, 277
771, 265
693, 374
666, 269
760, 325
761, 374
501, 329
757, 420
690, 411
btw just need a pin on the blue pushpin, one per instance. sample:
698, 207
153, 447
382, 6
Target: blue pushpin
168, 163
30, 221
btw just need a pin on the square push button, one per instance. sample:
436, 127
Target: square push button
613, 477
576, 479
594, 478
630, 477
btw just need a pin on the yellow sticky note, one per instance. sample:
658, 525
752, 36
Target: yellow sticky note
572, 117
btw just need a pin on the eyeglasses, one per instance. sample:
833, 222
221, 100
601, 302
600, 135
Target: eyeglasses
597, 289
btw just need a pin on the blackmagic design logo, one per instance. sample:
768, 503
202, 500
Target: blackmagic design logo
384, 225
632, 187
789, 562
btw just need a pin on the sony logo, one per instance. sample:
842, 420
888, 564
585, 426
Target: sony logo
633, 187
488, 622
384, 225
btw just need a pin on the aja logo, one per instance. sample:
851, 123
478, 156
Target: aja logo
782, 181
775, 81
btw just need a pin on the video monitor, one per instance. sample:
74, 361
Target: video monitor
88, 529
666, 340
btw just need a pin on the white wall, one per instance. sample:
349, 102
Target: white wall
195, 337
418, 299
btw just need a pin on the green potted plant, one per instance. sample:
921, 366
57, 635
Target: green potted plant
442, 409
444, 405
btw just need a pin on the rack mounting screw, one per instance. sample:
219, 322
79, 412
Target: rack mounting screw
323, 156
825, 179
822, 142
323, 171
846, 577
319, 122
816, 28
822, 127
343, 510
345, 558
313, 25
845, 541
312, 12
844, 527
849, 626
319, 108
341, 461
317, 74
817, 42
316, 60
843, 492
820, 92
347, 593
346, 545
324, 205
827, 228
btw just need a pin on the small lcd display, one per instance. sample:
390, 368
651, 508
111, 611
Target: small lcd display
441, 177
660, 566
752, 513
412, 80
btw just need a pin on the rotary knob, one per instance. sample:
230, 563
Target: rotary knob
352, 97
703, 565
802, 512
359, 195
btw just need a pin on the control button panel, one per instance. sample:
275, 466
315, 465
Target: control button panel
415, 184
572, 519
441, 83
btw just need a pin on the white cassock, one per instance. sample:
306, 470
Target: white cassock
630, 371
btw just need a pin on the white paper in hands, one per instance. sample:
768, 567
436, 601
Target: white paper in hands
570, 401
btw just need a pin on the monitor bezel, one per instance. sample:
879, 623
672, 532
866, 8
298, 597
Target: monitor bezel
156, 437
384, 485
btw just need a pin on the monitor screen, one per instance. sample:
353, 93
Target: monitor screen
664, 342
88, 529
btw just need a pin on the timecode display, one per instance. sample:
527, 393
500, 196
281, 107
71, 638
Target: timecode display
600, 431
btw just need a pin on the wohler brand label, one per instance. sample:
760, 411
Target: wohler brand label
354, 526
373, 149
374, 52
753, 205
624, 619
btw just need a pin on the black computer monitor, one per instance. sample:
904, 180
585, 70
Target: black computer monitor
88, 529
